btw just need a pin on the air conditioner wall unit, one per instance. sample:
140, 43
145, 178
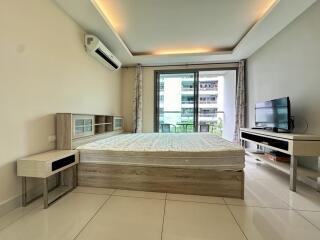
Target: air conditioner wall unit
101, 53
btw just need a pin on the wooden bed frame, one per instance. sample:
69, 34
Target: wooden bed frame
207, 182
197, 181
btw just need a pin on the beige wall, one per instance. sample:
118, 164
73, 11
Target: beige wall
128, 75
43, 70
288, 65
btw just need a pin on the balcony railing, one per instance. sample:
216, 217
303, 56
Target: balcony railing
179, 122
187, 102
187, 89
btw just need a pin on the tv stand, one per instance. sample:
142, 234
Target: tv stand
292, 144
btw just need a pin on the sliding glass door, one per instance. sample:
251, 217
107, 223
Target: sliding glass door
195, 101
175, 102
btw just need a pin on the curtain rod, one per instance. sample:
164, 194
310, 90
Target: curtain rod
179, 65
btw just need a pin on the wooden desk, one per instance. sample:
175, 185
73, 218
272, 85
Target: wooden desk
291, 144
44, 165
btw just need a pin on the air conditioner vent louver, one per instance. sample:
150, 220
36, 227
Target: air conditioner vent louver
101, 53
105, 57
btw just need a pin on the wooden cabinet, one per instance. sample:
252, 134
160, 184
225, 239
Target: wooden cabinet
76, 129
82, 126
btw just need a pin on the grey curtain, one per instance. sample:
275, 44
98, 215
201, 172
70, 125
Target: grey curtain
137, 101
240, 119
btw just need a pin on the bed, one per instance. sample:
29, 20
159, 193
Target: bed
189, 163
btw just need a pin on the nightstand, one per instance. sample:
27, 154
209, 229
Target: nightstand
43, 166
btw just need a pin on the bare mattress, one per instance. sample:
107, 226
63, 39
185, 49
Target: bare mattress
194, 150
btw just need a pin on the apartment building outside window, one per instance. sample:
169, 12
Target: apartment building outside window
187, 100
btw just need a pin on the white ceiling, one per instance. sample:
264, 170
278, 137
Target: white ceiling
148, 26
136, 31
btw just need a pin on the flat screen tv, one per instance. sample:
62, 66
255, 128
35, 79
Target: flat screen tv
274, 115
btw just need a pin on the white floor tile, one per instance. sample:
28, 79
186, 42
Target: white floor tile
269, 211
63, 220
313, 217
195, 198
257, 194
142, 194
305, 198
126, 218
266, 223
93, 190
190, 221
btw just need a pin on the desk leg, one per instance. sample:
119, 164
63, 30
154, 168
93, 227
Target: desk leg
24, 191
293, 173
45, 193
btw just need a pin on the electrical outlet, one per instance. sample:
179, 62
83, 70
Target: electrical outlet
52, 138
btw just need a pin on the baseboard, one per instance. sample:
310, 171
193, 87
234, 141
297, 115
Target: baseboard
15, 202
9, 205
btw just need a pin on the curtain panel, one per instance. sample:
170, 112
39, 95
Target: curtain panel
137, 101
240, 118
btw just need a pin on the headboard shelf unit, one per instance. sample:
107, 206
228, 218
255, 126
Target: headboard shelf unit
76, 129
103, 124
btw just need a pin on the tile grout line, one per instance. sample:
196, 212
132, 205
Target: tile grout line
98, 210
304, 210
301, 215
138, 197
225, 203
235, 219
99, 194
275, 208
164, 213
176, 200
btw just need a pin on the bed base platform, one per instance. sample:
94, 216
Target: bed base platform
207, 182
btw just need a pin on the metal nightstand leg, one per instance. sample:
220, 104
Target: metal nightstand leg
75, 176
24, 191
45, 193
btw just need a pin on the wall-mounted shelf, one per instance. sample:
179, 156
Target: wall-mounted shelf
76, 129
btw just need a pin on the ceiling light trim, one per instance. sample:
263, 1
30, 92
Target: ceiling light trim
178, 52
105, 18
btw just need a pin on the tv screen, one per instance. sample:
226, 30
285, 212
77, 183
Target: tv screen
274, 114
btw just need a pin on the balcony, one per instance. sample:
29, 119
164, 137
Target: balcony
183, 122
208, 89
187, 90
187, 102
208, 102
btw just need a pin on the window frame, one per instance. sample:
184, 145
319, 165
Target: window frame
196, 90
